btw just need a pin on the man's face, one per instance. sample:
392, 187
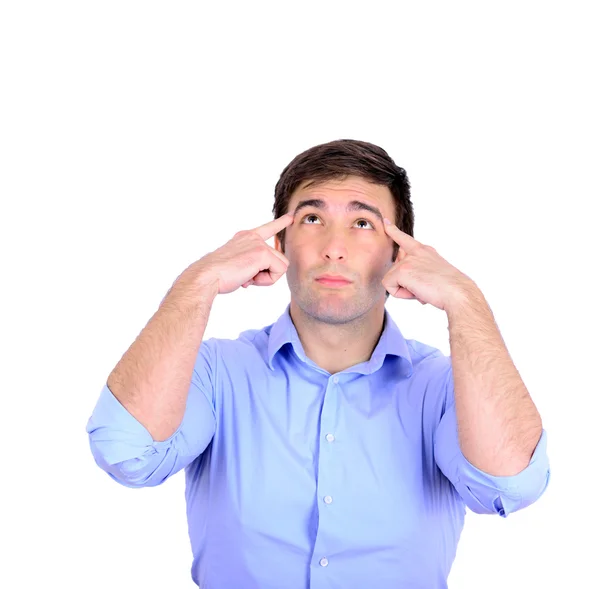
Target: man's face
328, 238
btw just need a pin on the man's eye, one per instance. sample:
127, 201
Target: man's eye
357, 220
308, 216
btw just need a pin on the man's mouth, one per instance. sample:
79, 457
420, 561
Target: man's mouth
334, 282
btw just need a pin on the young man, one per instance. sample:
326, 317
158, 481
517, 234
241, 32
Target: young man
325, 450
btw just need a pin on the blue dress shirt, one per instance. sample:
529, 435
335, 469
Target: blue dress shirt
297, 478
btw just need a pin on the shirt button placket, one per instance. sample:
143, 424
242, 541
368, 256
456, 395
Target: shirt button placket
330, 437
328, 419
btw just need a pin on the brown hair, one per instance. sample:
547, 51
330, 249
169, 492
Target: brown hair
338, 159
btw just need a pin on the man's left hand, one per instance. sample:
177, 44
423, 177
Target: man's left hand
419, 272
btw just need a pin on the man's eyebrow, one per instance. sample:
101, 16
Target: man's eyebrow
353, 205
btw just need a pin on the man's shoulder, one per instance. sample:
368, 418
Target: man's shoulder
247, 342
425, 356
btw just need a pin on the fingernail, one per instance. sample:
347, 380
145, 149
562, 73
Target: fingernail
387, 221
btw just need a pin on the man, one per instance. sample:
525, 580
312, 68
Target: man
325, 450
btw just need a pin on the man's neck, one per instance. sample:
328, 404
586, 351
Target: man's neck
335, 347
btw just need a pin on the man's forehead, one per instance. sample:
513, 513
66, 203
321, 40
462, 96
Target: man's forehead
349, 189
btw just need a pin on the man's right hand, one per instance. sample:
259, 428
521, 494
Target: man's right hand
246, 259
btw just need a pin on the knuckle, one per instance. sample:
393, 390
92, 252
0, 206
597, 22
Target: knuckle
260, 246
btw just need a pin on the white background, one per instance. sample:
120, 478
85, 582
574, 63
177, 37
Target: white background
136, 137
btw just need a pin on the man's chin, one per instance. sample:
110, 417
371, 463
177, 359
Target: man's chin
331, 309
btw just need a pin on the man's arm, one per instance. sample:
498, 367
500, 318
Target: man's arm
156, 413
153, 377
489, 441
153, 418
498, 423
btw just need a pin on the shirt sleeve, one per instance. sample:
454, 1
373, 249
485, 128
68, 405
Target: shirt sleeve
483, 492
124, 448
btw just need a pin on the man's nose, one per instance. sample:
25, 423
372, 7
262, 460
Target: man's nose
335, 247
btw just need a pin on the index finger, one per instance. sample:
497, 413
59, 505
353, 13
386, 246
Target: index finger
275, 226
402, 239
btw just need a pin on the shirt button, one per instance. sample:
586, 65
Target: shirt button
323, 562
336, 379
330, 437
328, 499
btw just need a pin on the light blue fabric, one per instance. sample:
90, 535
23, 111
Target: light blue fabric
297, 478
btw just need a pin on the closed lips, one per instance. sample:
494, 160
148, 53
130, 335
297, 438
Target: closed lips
334, 278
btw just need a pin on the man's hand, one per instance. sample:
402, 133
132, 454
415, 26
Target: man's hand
246, 259
421, 273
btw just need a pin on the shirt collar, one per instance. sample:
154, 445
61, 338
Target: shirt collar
391, 342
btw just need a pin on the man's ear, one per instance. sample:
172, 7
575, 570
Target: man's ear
278, 245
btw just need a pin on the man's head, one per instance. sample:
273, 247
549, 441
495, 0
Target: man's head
327, 237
